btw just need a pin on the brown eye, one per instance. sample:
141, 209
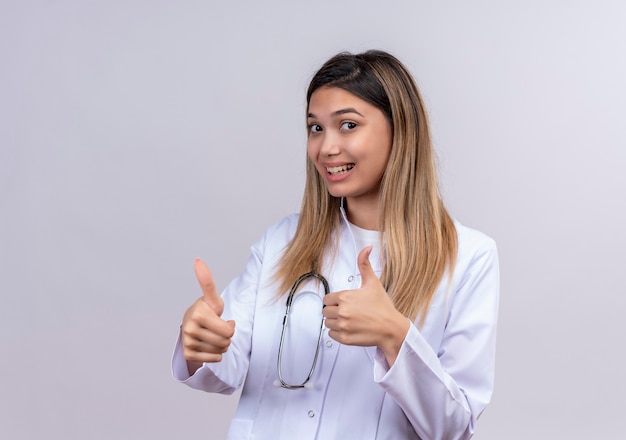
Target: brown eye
315, 128
348, 125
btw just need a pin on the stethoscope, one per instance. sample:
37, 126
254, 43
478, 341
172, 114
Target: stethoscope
305, 384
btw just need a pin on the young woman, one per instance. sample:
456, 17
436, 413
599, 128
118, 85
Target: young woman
390, 333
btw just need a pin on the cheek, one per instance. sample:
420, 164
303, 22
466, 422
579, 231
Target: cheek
312, 151
385, 153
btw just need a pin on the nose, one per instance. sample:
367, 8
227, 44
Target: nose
330, 145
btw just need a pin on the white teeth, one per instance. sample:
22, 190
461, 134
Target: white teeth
340, 169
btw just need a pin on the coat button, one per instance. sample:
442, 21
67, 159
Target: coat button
311, 413
329, 344
351, 278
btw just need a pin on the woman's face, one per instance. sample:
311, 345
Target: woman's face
349, 142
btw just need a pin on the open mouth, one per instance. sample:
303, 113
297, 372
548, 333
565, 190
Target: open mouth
335, 171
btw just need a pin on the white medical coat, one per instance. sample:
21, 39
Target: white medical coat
439, 384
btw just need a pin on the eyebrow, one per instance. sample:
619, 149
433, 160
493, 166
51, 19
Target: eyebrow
340, 112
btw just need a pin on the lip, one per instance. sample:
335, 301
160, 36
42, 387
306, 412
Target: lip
337, 177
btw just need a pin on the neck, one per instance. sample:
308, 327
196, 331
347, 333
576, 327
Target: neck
363, 212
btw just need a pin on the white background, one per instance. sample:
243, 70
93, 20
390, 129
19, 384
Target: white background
136, 135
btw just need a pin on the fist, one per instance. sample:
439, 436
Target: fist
205, 335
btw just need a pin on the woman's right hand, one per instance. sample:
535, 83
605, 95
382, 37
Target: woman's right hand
205, 335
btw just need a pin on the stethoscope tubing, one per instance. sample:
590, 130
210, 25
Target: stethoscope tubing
290, 297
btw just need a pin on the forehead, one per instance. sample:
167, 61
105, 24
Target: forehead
329, 100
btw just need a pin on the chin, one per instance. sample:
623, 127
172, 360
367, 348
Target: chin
338, 194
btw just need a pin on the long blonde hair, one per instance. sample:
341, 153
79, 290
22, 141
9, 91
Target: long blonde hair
420, 237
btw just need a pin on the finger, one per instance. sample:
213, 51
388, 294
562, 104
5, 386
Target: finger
207, 284
336, 335
215, 339
332, 325
330, 312
365, 268
231, 324
216, 345
332, 299
216, 325
197, 356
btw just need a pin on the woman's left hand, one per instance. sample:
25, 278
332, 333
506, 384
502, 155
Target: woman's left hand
366, 316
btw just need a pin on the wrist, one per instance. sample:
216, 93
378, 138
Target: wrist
193, 366
394, 338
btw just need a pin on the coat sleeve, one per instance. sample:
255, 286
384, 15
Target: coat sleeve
228, 375
443, 392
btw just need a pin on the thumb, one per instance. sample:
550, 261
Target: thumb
367, 273
207, 284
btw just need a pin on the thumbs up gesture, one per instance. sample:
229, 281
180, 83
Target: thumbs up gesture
205, 335
366, 316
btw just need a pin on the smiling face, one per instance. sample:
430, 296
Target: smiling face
349, 142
